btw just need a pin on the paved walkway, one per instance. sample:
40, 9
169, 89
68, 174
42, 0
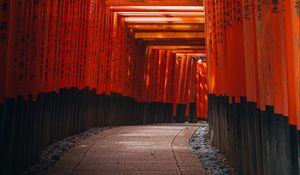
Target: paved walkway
155, 149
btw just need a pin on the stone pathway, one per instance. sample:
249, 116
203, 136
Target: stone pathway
150, 149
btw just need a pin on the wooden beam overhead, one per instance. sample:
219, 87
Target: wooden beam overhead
147, 8
175, 42
167, 27
178, 28
154, 2
188, 51
161, 14
178, 47
194, 54
164, 20
175, 35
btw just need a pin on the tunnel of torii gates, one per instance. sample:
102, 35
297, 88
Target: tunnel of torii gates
69, 65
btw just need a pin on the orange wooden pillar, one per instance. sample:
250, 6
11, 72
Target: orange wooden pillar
202, 90
4, 18
253, 55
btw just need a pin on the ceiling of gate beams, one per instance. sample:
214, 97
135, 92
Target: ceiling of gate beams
164, 24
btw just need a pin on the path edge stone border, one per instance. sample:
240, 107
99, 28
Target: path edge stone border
49, 157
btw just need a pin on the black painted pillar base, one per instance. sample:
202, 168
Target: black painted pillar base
192, 116
180, 113
253, 141
28, 127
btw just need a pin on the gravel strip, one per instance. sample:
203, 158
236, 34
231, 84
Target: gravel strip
52, 154
212, 161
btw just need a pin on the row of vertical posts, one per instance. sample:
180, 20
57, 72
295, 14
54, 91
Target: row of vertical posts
253, 51
65, 66
28, 127
178, 79
48, 46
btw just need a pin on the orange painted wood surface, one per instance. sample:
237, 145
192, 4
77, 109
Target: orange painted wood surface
253, 52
